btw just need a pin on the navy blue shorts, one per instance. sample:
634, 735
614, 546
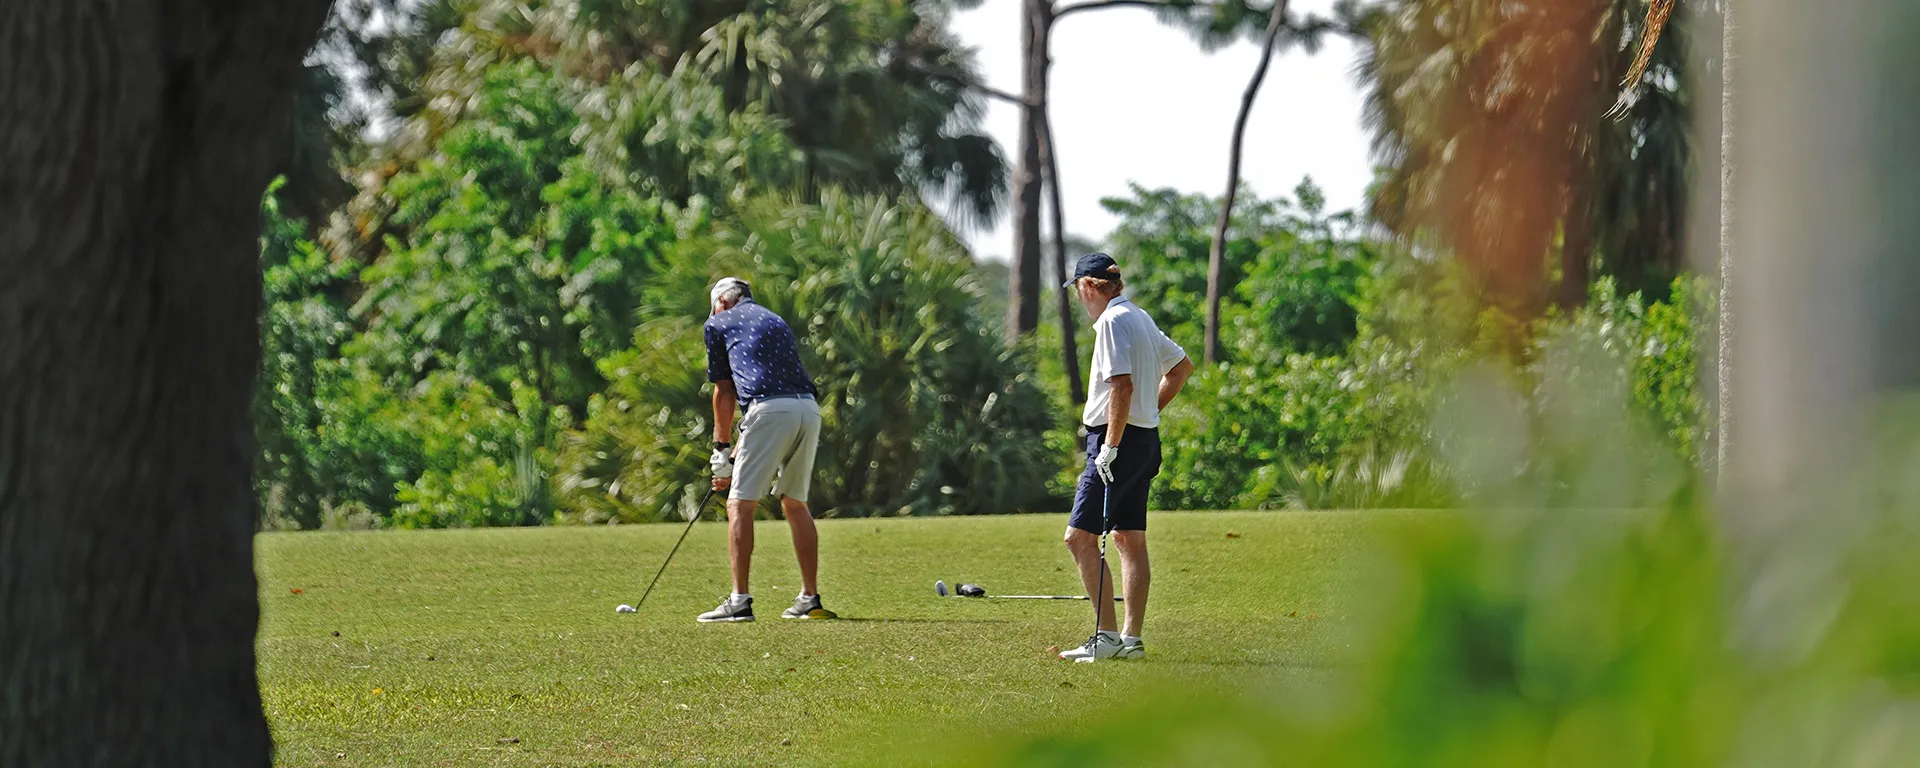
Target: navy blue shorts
1133, 473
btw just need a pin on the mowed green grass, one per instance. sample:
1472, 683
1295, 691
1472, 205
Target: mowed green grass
432, 648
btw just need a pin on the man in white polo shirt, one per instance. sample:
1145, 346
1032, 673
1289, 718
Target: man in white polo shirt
1136, 371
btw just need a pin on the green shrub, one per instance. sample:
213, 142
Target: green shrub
1645, 349
1369, 477
303, 321
642, 455
1292, 275
1237, 421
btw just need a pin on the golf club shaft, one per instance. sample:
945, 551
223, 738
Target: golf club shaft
1100, 594
1116, 598
701, 510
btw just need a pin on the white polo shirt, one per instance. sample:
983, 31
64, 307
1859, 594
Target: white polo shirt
1126, 342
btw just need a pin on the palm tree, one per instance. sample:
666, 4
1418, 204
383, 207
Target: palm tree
1488, 118
847, 79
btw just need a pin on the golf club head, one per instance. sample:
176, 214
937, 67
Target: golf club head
972, 590
940, 587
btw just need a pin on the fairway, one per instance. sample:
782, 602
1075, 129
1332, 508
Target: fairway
501, 647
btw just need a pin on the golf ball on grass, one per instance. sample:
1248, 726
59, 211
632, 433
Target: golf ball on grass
624, 608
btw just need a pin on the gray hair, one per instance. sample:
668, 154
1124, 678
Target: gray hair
731, 290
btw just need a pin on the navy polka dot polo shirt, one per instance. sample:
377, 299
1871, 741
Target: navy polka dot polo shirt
754, 347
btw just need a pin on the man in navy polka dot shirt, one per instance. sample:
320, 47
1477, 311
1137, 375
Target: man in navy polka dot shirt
754, 363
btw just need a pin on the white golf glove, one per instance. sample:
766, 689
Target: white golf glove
1103, 463
722, 462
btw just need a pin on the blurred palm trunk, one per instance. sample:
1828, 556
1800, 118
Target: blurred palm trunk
1724, 322
1820, 293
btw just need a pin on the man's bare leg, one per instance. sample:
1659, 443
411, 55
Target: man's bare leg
740, 541
1137, 574
1098, 582
806, 542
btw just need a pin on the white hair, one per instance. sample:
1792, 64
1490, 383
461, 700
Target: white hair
730, 290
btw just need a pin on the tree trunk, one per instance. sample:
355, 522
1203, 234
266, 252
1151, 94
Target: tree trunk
1069, 346
1576, 244
1823, 365
1723, 378
1023, 283
1217, 258
137, 138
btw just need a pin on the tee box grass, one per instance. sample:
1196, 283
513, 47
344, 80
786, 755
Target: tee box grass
502, 647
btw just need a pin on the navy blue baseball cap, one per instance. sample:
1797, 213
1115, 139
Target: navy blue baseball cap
1095, 265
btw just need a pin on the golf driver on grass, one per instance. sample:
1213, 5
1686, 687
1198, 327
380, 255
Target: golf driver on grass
1123, 452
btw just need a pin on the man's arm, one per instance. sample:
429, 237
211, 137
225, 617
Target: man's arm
726, 403
1171, 384
1119, 405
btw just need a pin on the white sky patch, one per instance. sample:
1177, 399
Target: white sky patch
1136, 100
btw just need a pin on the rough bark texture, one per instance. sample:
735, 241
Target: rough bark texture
136, 137
1217, 258
1069, 346
1023, 284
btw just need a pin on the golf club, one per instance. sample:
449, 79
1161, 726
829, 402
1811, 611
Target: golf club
697, 512
975, 590
1106, 524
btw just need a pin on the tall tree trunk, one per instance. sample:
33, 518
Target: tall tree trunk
1217, 257
1023, 284
1576, 244
137, 138
1723, 378
1069, 346
1818, 458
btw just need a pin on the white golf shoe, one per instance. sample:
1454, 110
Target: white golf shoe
730, 611
1103, 645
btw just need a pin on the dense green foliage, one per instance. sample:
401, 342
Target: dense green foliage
487, 379
1341, 348
502, 327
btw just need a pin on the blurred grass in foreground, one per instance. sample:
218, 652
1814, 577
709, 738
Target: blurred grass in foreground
1773, 624
1512, 636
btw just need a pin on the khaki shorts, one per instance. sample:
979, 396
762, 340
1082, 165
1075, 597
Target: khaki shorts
778, 437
